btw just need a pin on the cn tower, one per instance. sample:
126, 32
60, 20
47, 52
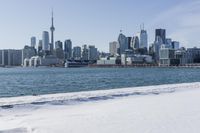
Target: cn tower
52, 28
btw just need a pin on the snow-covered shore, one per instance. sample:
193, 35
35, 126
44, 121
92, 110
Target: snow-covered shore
157, 110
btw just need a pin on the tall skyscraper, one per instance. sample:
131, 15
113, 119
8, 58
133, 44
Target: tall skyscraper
143, 39
52, 28
68, 49
175, 45
136, 42
168, 43
40, 53
85, 53
58, 44
93, 53
162, 34
45, 41
77, 53
123, 43
33, 41
59, 50
129, 42
157, 45
113, 46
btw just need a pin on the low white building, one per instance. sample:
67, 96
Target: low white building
106, 61
39, 61
134, 58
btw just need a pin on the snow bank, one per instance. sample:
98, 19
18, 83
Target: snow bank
125, 111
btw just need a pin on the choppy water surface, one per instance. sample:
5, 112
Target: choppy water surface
37, 81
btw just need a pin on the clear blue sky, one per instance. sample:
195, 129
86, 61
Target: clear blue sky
97, 22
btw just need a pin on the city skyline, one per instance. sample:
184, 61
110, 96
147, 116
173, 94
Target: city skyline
86, 27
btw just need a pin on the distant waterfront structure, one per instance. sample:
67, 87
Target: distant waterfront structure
58, 44
40, 52
59, 50
10, 57
113, 46
129, 42
136, 42
45, 41
85, 53
168, 43
28, 52
143, 39
162, 34
123, 43
93, 53
1, 57
175, 45
33, 41
77, 53
167, 57
52, 28
156, 48
68, 49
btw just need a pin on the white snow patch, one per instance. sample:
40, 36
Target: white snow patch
177, 112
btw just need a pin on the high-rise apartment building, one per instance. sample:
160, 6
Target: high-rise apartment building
162, 34
77, 53
113, 46
68, 49
33, 41
123, 43
85, 53
45, 41
93, 53
143, 39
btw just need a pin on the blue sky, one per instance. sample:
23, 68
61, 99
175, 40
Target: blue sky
97, 22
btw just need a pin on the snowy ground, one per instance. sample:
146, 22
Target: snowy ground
177, 112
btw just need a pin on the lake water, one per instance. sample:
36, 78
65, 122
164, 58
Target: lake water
38, 81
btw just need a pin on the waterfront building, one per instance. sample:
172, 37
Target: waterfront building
45, 41
113, 46
193, 55
52, 29
130, 59
40, 52
58, 44
123, 43
175, 45
36, 61
11, 57
160, 33
168, 43
181, 55
156, 48
59, 53
85, 53
107, 61
167, 57
5, 57
93, 53
1, 51
28, 52
143, 39
77, 53
68, 49
136, 42
129, 42
33, 41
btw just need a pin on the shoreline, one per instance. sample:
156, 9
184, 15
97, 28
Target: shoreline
167, 112
112, 66
142, 66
